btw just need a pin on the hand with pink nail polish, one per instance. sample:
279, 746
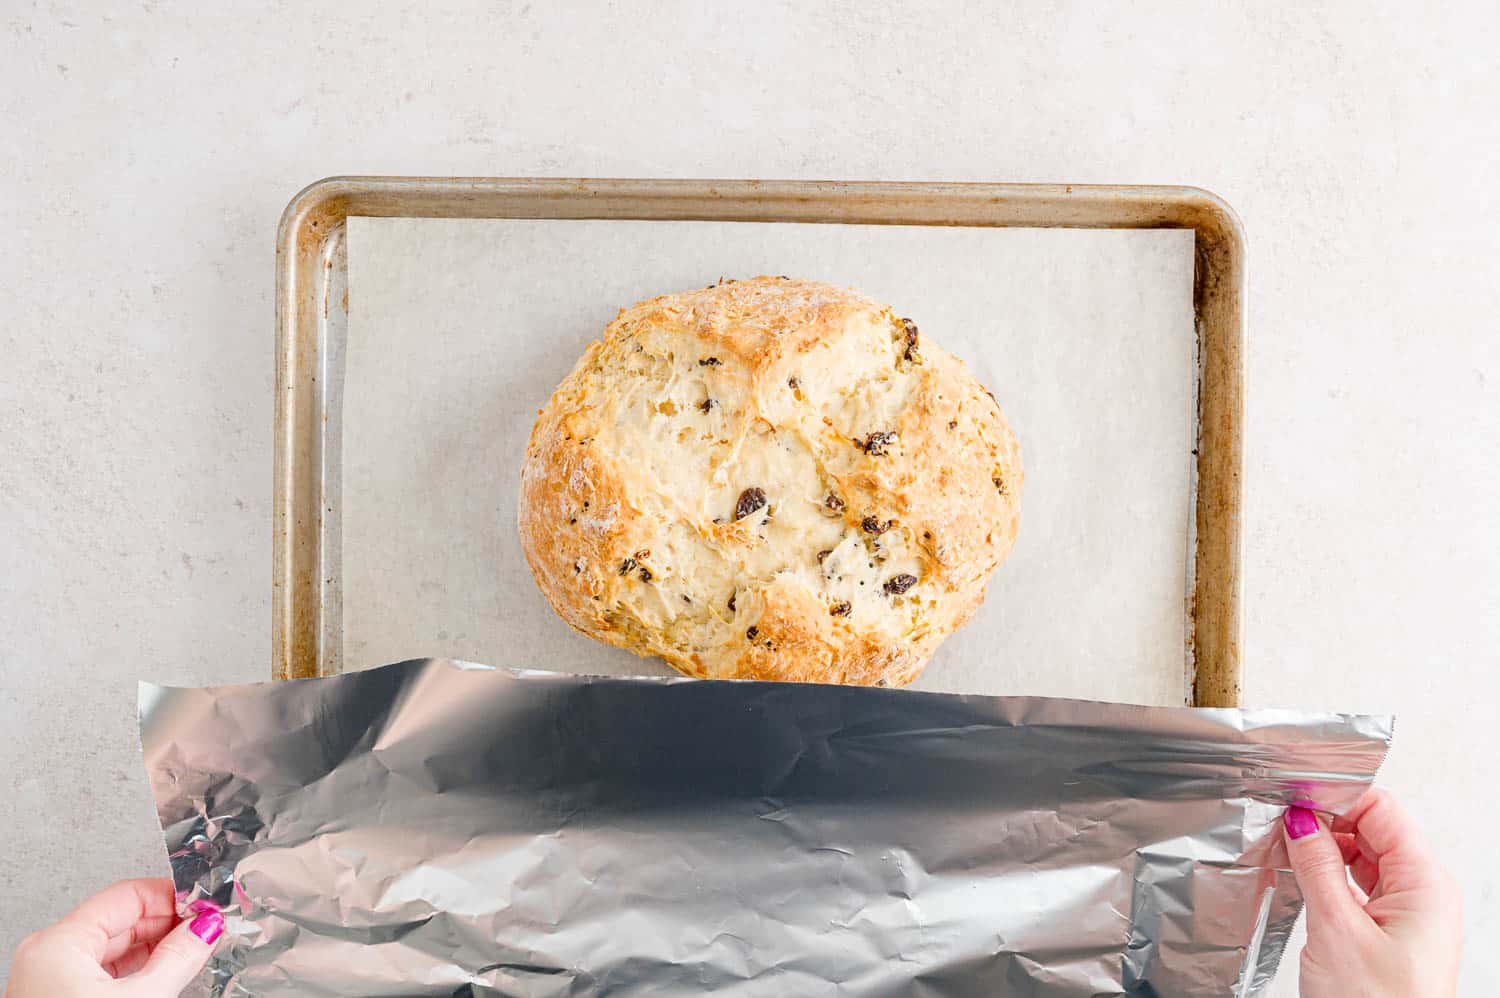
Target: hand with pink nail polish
1395, 931
125, 942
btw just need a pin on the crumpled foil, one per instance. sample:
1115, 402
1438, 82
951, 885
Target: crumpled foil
436, 828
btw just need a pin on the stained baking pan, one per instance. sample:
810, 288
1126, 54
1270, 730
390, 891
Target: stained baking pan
312, 320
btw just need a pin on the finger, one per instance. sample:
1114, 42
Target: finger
1380, 820
1319, 868
143, 933
180, 955
1348, 845
1365, 873
114, 912
1393, 843
128, 962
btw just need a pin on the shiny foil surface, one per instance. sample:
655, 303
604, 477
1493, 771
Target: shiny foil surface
434, 828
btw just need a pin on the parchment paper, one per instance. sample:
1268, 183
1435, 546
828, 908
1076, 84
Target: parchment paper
459, 330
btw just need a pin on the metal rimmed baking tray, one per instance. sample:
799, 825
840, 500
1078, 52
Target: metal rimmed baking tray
312, 317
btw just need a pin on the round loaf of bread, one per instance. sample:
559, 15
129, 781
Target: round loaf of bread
769, 479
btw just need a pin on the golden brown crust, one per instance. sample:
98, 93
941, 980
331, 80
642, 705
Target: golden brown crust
769, 479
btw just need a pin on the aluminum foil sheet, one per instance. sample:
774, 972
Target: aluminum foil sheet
439, 829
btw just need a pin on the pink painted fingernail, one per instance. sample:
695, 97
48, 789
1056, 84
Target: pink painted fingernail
1300, 822
207, 926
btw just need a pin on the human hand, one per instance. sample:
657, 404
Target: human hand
124, 942
1396, 931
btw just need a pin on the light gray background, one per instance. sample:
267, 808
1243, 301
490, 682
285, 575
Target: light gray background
149, 148
460, 330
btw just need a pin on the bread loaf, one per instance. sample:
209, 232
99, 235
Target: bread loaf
769, 479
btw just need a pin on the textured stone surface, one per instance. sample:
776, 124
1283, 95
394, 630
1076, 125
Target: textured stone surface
150, 149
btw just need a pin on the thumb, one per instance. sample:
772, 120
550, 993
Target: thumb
180, 955
1319, 867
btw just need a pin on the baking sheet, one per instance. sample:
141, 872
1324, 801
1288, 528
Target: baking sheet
460, 329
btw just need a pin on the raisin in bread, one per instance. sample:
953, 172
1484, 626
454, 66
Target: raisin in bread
769, 479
